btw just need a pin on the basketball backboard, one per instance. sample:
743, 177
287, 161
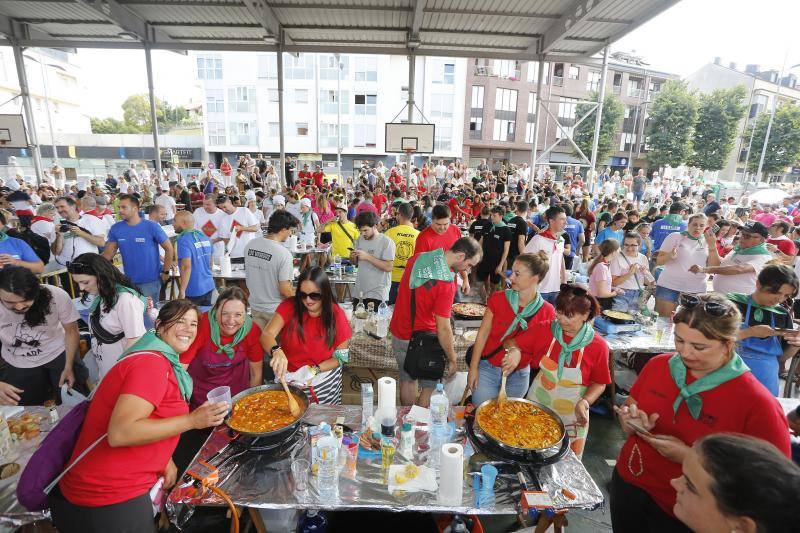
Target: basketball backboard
404, 137
12, 132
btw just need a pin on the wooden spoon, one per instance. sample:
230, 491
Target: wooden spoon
502, 397
294, 407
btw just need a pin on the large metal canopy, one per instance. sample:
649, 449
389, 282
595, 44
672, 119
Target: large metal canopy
504, 29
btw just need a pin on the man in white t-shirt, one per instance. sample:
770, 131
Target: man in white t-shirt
168, 203
552, 242
209, 221
84, 233
737, 271
144, 175
43, 224
240, 224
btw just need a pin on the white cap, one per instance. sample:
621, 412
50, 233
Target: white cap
250, 195
278, 200
306, 202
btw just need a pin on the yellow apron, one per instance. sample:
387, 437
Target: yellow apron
561, 395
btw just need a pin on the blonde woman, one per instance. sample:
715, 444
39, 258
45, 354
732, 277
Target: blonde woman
678, 253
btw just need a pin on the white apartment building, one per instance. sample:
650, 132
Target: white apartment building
762, 89
241, 104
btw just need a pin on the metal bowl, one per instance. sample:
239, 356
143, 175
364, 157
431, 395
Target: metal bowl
522, 449
299, 396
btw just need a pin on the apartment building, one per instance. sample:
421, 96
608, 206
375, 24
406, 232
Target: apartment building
763, 86
501, 107
241, 104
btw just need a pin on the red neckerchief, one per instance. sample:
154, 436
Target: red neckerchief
547, 234
37, 218
93, 212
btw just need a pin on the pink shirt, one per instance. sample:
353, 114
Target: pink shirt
765, 218
600, 280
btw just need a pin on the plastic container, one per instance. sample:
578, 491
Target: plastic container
327, 462
439, 405
220, 394
313, 522
367, 403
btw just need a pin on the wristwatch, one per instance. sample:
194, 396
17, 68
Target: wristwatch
272, 350
315, 369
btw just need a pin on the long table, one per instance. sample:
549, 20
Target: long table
264, 482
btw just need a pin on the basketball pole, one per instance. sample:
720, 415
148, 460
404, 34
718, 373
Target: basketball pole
33, 141
412, 74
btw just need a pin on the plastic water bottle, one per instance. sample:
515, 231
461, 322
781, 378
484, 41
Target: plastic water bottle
328, 449
359, 315
367, 405
439, 407
337, 264
435, 442
313, 522
383, 320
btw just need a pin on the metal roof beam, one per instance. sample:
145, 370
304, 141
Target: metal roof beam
400, 28
15, 29
481, 12
181, 3
265, 15
290, 5
126, 19
207, 24
579, 12
416, 21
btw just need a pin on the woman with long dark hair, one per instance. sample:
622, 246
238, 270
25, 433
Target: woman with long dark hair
309, 336
116, 315
136, 416
40, 338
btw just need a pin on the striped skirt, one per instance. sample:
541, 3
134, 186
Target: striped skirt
327, 388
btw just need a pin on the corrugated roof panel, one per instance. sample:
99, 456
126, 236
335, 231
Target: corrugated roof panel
337, 35
185, 32
333, 17
90, 30
352, 3
187, 14
624, 9
47, 10
497, 24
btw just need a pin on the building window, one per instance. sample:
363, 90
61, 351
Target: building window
364, 136
574, 72
626, 141
298, 68
655, 88
328, 135
617, 85
328, 69
301, 96
302, 129
441, 106
209, 68
267, 66
506, 68
558, 74
503, 130
475, 127
242, 100
328, 102
477, 97
274, 129
448, 74
443, 139
215, 102
533, 72
505, 100
567, 108
244, 133
593, 81
272, 95
366, 68
366, 104
216, 133
635, 87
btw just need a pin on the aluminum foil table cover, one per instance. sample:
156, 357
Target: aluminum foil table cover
265, 481
642, 341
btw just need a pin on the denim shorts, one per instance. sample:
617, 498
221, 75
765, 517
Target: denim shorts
628, 301
489, 377
670, 295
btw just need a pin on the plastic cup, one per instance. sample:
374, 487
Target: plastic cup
300, 469
220, 394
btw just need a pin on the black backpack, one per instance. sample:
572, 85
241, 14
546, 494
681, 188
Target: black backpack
40, 245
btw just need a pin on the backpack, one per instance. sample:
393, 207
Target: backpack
40, 245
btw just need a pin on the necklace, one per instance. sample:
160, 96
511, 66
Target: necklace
636, 455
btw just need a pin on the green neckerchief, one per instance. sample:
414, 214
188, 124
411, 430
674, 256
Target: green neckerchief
582, 339
689, 236
120, 289
306, 216
501, 224
193, 232
528, 311
216, 334
3, 235
430, 266
151, 342
508, 216
758, 249
691, 393
758, 314
673, 220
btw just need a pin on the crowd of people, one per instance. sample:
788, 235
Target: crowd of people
548, 255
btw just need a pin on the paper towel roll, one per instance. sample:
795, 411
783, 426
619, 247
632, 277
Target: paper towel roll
225, 265
451, 478
387, 392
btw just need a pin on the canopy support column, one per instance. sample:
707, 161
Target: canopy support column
598, 120
153, 115
412, 76
33, 141
539, 104
280, 110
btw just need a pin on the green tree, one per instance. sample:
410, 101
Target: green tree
136, 112
136, 117
609, 127
783, 148
110, 125
672, 119
718, 117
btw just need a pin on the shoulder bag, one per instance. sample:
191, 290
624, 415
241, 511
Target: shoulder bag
425, 357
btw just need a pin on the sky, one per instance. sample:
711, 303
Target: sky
679, 40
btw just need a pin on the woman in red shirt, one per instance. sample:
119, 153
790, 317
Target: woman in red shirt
508, 313
572, 361
309, 336
226, 350
226, 168
703, 388
135, 418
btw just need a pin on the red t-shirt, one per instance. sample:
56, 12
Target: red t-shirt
107, 475
378, 200
366, 206
318, 177
428, 239
312, 349
304, 176
535, 342
786, 246
741, 405
250, 343
502, 316
455, 210
430, 302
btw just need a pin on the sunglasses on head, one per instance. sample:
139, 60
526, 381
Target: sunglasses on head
222, 198
315, 296
690, 301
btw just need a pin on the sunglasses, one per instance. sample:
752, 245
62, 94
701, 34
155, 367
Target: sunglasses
222, 198
690, 301
315, 296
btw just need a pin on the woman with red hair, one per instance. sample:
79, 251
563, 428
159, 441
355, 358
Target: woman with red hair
572, 361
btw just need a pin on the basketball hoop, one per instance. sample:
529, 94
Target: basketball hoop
3, 143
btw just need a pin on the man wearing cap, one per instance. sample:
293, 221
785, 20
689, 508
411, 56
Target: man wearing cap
208, 221
343, 232
309, 221
737, 271
239, 221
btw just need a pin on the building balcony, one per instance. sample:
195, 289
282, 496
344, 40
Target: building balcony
490, 71
558, 81
616, 89
636, 93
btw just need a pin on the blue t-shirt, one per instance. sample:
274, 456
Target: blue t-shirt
200, 251
539, 220
573, 229
18, 249
139, 248
662, 228
608, 233
643, 246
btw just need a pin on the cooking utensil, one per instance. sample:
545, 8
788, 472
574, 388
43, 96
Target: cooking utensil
300, 397
519, 449
502, 397
459, 316
293, 406
610, 316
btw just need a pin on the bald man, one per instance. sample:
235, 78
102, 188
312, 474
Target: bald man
194, 258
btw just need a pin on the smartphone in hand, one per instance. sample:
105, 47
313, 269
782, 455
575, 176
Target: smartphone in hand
639, 429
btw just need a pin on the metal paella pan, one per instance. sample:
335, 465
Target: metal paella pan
299, 395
